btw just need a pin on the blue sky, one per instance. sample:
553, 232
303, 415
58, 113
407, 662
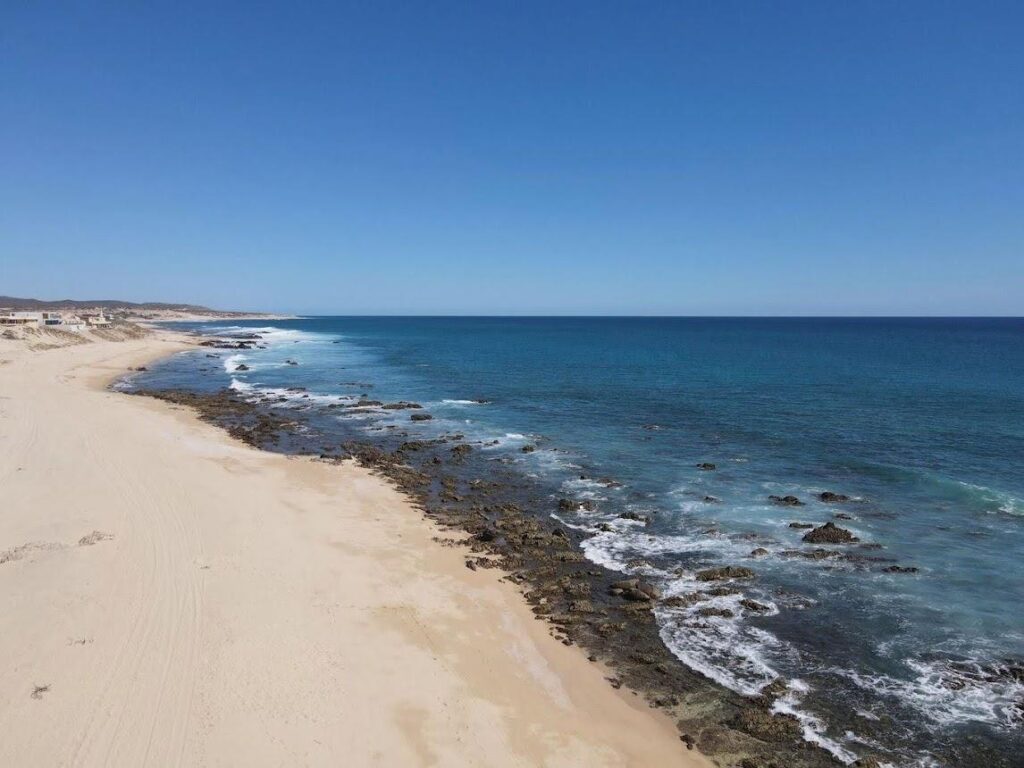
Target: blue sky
552, 158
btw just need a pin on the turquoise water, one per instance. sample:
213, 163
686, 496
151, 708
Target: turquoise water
920, 421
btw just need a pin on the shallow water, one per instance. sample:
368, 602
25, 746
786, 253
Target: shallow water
921, 422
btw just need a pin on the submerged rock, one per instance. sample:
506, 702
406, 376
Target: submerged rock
801, 525
786, 501
753, 605
635, 516
900, 569
830, 533
420, 417
707, 466
759, 552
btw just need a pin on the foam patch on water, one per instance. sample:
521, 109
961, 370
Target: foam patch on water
953, 692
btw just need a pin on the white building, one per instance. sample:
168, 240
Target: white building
34, 319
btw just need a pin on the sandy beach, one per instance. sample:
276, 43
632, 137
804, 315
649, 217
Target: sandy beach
172, 597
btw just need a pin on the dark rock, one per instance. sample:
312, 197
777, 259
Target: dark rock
241, 367
711, 500
571, 505
774, 689
707, 466
900, 569
833, 498
362, 403
420, 417
801, 525
724, 613
829, 533
761, 724
400, 405
635, 590
759, 552
725, 572
528, 448
581, 606
786, 501
753, 605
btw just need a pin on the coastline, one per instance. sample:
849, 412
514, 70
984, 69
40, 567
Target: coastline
453, 484
181, 598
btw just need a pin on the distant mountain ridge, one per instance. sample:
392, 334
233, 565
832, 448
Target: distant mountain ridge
38, 304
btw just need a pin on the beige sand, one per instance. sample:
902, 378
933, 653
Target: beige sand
170, 597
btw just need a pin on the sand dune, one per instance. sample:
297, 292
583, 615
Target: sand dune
171, 597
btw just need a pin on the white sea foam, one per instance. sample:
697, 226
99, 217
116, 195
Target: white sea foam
240, 386
812, 728
462, 402
949, 694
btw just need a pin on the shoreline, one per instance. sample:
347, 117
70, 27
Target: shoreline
129, 646
567, 592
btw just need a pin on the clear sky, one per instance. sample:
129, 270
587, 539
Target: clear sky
516, 157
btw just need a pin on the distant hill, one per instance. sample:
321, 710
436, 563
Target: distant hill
37, 304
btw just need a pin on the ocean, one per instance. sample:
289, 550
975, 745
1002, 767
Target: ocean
907, 643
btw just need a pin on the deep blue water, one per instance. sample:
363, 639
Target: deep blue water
921, 421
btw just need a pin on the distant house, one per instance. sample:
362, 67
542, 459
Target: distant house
45, 320
22, 318
97, 319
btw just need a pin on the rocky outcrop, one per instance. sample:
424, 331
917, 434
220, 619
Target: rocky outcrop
830, 533
725, 572
634, 589
833, 498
